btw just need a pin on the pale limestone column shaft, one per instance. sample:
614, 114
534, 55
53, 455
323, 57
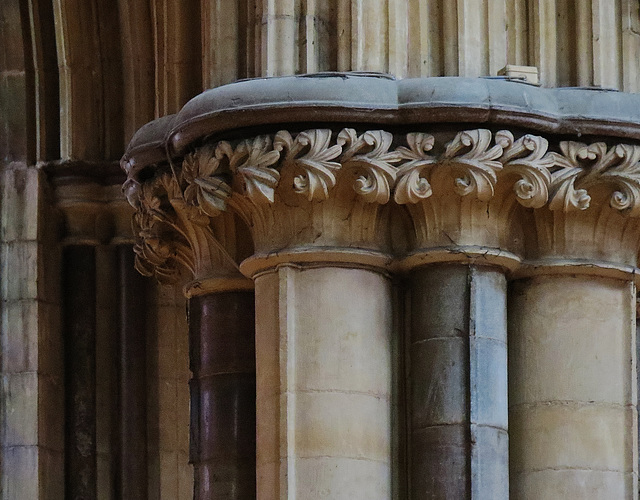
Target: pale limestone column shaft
572, 386
572, 362
323, 346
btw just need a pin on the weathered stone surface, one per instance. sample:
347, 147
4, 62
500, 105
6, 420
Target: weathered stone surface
324, 416
223, 395
573, 419
458, 366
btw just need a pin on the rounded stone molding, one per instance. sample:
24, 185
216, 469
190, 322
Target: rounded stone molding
311, 257
217, 285
469, 255
575, 267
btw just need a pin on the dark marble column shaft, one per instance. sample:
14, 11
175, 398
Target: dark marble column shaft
223, 395
458, 378
132, 393
79, 299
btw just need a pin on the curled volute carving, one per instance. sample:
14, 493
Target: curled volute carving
472, 157
580, 166
311, 155
475, 166
413, 184
175, 208
528, 159
369, 157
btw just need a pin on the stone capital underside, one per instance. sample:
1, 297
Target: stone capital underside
382, 197
378, 198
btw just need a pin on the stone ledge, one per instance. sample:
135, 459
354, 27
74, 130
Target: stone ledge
379, 99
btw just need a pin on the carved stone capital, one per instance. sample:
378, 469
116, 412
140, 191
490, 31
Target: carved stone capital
594, 205
330, 194
81, 203
175, 232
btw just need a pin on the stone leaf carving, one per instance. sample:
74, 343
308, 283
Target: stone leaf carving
527, 157
131, 190
206, 188
412, 185
369, 157
252, 161
152, 224
470, 154
171, 232
152, 252
581, 166
310, 152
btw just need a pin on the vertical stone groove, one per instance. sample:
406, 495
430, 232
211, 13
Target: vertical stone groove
132, 460
79, 291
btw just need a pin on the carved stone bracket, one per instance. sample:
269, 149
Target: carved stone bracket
320, 188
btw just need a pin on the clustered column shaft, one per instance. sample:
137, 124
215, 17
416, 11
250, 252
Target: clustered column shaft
458, 377
324, 383
223, 395
572, 387
132, 463
324, 209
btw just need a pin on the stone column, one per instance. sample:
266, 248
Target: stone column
572, 414
132, 393
323, 382
179, 240
572, 361
80, 203
316, 205
466, 228
458, 369
79, 291
223, 395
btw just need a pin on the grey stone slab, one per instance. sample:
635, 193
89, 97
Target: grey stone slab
488, 381
371, 98
489, 296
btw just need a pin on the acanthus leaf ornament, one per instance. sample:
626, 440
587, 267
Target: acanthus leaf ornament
206, 187
412, 185
626, 176
527, 157
252, 161
568, 166
477, 165
369, 157
175, 207
152, 224
310, 152
581, 166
